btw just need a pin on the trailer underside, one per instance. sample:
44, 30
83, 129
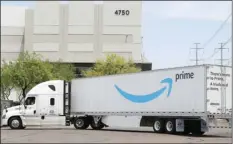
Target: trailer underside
161, 122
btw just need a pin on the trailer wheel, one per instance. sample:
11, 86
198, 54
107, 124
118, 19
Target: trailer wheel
97, 126
158, 126
81, 123
15, 123
170, 126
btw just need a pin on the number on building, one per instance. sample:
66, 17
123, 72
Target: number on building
122, 12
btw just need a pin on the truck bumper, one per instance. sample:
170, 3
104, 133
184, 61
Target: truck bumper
4, 122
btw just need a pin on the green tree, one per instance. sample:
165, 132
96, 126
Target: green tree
29, 70
113, 64
6, 85
63, 71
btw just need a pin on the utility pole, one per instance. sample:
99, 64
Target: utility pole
221, 53
223, 70
142, 54
197, 49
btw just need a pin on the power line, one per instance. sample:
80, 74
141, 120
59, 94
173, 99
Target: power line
215, 52
228, 40
197, 49
221, 54
218, 30
223, 96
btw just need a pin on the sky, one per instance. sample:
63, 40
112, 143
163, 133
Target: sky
170, 29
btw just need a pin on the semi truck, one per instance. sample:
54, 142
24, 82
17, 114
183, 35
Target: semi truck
184, 100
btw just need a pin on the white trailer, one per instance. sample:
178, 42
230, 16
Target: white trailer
176, 100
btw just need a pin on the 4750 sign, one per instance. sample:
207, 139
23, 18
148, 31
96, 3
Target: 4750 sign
122, 12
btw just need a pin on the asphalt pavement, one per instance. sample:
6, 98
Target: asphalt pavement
107, 135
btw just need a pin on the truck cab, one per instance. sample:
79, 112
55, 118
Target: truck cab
43, 105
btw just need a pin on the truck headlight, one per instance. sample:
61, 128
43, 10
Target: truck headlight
3, 116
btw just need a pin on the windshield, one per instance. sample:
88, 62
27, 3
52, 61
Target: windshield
30, 101
22, 102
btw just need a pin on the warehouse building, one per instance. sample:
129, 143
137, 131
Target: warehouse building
78, 32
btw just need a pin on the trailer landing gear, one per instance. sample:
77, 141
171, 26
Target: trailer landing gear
97, 126
96, 123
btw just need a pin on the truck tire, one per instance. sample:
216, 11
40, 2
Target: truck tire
170, 126
81, 123
158, 126
97, 126
15, 123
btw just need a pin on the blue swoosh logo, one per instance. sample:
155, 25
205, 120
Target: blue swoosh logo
147, 97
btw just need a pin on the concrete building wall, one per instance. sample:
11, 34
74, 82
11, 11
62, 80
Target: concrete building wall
11, 43
121, 30
77, 32
12, 32
43, 32
81, 36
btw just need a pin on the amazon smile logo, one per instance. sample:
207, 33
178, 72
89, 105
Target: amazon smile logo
179, 77
147, 97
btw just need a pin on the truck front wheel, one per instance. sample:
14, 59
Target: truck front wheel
81, 123
15, 123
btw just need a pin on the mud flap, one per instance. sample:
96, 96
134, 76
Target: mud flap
204, 126
229, 122
179, 125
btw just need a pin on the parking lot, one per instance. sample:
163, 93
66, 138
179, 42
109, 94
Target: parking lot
108, 135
